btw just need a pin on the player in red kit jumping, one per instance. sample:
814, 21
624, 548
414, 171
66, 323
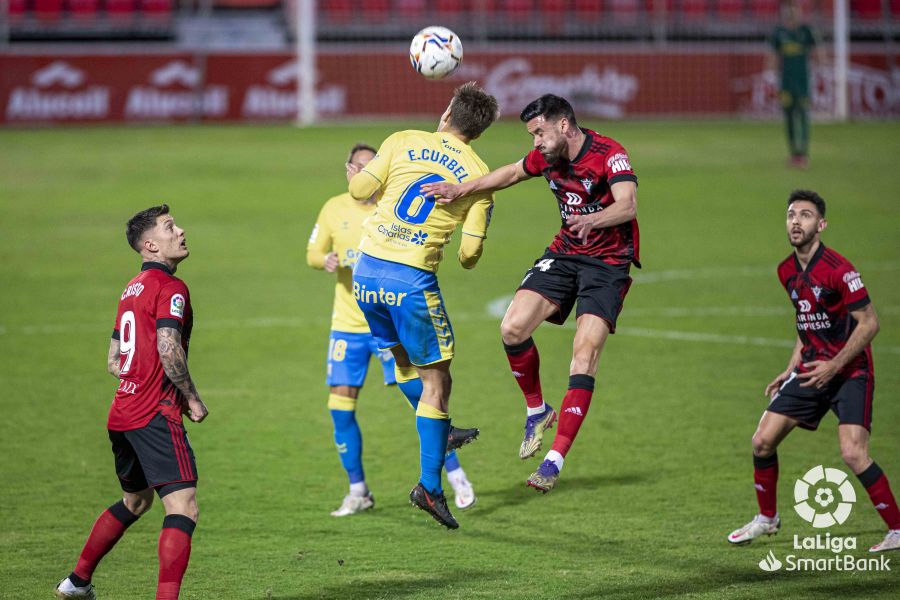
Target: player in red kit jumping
148, 355
830, 368
588, 262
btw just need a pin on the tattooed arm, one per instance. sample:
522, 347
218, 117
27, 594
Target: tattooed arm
174, 361
112, 359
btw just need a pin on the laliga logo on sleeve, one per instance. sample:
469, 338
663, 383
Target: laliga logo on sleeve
177, 307
815, 498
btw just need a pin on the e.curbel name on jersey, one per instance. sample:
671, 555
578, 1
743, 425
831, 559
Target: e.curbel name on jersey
134, 289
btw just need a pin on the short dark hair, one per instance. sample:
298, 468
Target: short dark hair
472, 110
141, 223
808, 196
551, 107
359, 148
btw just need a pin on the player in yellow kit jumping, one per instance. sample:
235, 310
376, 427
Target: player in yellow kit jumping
333, 246
394, 281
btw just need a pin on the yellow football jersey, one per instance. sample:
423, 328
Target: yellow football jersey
407, 229
338, 229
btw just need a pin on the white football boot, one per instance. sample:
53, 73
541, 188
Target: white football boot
354, 504
758, 527
890, 542
464, 494
67, 589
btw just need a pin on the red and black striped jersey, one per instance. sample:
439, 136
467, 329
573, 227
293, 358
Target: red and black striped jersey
824, 294
582, 186
153, 299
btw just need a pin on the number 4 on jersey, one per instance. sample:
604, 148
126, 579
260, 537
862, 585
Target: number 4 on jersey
544, 264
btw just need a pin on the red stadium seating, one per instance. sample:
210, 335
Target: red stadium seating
553, 7
409, 9
588, 10
84, 9
895, 8
120, 9
16, 10
765, 9
157, 9
336, 11
517, 10
693, 10
377, 11
624, 10
730, 10
451, 7
866, 9
48, 10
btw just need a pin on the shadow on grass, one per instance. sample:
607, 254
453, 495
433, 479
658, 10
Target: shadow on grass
397, 586
520, 493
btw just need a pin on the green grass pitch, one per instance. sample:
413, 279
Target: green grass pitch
659, 475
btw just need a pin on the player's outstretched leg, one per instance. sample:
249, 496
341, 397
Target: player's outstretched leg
772, 429
348, 438
879, 490
590, 337
175, 540
572, 413
464, 493
411, 385
854, 441
528, 310
107, 530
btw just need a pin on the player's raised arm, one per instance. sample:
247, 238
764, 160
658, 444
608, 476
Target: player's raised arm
624, 209
823, 371
174, 362
497, 179
474, 231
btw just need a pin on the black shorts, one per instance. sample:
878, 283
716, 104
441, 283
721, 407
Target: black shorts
850, 399
562, 279
158, 455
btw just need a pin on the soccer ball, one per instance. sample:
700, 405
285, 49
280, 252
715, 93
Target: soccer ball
435, 52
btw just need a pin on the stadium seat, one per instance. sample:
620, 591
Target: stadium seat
120, 9
157, 9
693, 10
517, 10
588, 10
765, 10
84, 10
409, 9
866, 9
553, 7
376, 11
16, 10
336, 11
730, 10
48, 10
451, 7
624, 10
895, 8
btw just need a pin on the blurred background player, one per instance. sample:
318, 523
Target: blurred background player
589, 259
333, 246
830, 368
148, 355
792, 45
394, 281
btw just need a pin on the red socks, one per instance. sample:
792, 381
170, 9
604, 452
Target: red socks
876, 484
525, 364
572, 412
765, 480
174, 554
107, 530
